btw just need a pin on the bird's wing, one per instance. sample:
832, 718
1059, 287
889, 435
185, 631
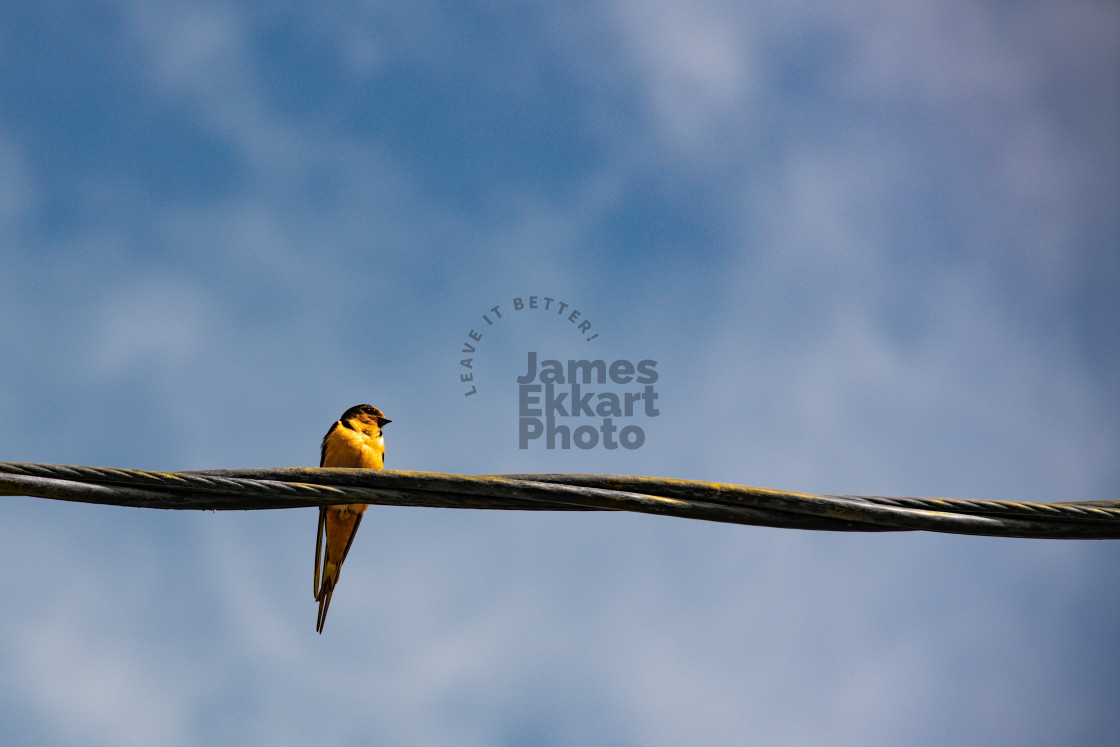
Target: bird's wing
323, 446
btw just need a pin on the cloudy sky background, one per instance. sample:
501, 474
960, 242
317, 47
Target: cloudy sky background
872, 246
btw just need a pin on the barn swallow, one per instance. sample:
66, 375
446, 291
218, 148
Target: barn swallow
354, 440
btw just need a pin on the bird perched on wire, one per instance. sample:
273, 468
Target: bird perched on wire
354, 440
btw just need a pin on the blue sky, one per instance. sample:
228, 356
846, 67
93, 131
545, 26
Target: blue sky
872, 248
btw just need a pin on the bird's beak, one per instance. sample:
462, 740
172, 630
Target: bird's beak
382, 421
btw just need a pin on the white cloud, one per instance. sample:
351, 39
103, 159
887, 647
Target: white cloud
192, 45
82, 683
697, 64
160, 321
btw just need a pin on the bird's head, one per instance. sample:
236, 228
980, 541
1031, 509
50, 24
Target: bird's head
366, 414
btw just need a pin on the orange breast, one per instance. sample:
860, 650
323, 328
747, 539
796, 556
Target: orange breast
346, 448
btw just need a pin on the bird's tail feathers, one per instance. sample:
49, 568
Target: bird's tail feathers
324, 602
319, 548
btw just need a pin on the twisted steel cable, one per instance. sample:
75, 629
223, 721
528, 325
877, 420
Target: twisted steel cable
271, 488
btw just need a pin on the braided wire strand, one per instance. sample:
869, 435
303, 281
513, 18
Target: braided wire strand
271, 488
